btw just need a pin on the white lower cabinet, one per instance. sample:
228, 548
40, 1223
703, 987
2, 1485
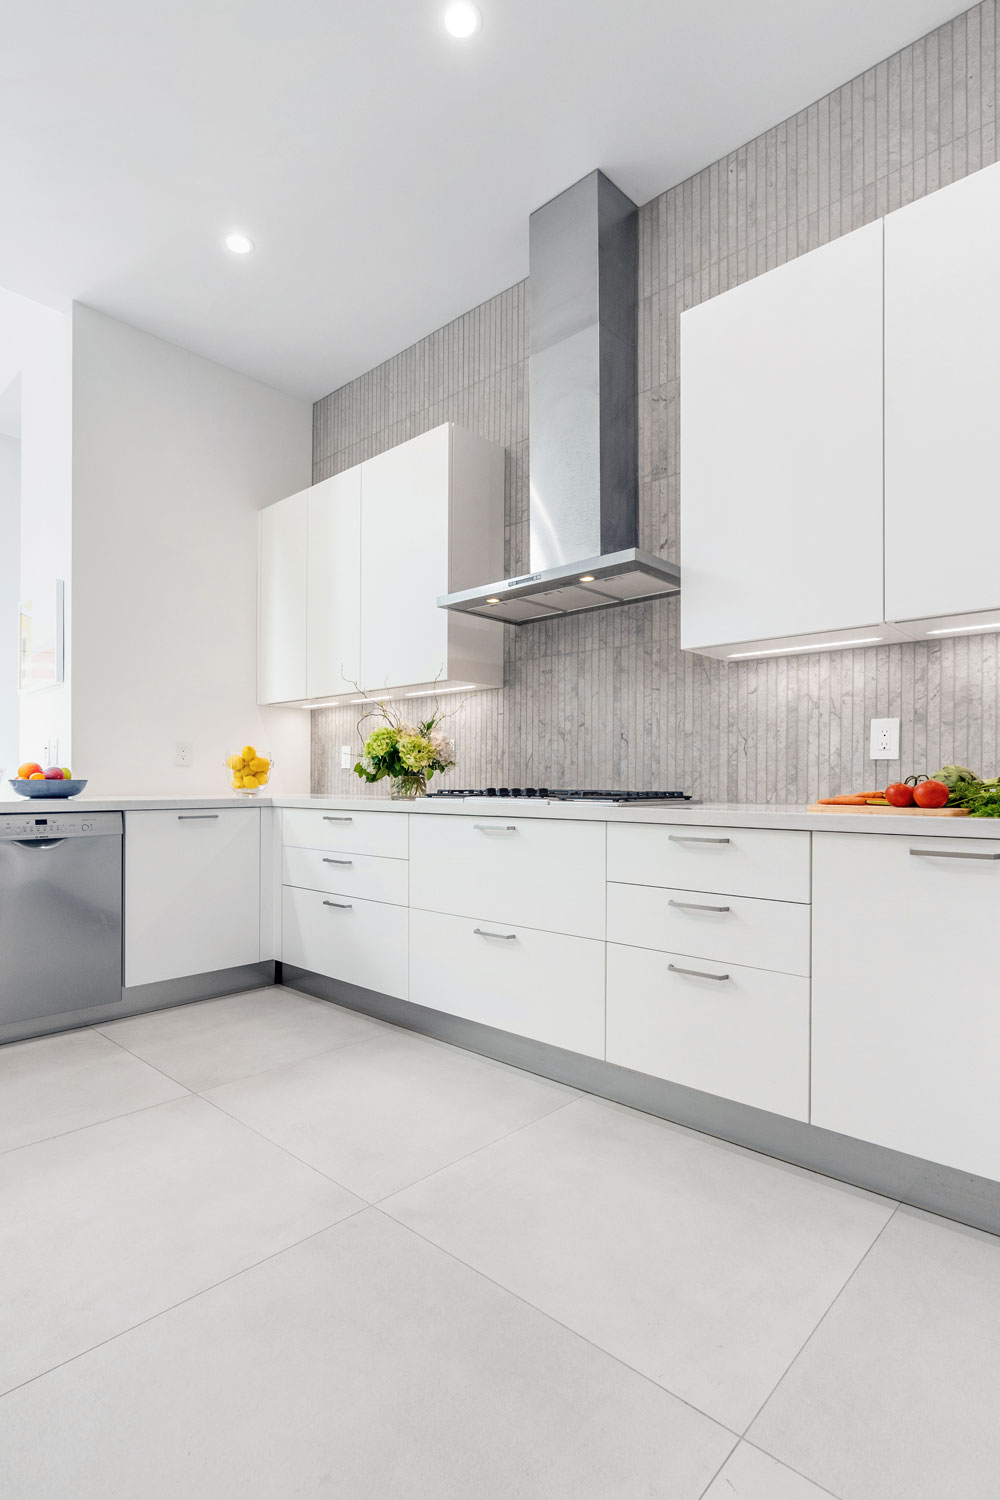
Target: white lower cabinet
358, 942
743, 1037
543, 985
192, 892
733, 929
906, 996
534, 872
364, 875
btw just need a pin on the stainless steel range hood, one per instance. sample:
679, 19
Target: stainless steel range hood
583, 249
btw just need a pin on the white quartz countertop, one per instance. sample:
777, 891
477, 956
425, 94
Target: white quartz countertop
708, 814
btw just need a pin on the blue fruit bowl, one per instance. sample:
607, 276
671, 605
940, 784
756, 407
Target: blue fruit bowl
48, 788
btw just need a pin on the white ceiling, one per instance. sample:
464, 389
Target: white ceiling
385, 170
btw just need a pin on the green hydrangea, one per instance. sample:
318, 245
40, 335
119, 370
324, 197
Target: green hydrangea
380, 742
415, 751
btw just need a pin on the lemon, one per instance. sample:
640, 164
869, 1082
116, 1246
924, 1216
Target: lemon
235, 762
258, 764
248, 752
249, 781
237, 783
262, 779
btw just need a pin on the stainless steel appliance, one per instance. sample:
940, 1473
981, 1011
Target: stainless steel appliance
60, 919
543, 794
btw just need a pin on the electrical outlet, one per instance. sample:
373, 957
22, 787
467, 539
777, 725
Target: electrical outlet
885, 739
183, 753
345, 757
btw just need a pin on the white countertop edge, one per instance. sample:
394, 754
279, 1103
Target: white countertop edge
709, 815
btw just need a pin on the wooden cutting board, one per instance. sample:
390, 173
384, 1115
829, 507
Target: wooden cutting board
904, 812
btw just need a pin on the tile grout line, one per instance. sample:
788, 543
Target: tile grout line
821, 1487
809, 1338
201, 1292
127, 1114
541, 1311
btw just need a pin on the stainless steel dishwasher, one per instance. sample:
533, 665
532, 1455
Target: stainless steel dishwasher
60, 920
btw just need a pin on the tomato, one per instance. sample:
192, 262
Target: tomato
899, 794
931, 794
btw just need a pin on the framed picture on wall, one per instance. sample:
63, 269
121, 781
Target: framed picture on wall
41, 652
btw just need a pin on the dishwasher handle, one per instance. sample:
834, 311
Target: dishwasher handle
37, 843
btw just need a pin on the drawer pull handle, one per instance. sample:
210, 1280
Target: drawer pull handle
196, 817
328, 819
343, 905
950, 854
495, 827
698, 973
508, 937
697, 906
338, 861
691, 838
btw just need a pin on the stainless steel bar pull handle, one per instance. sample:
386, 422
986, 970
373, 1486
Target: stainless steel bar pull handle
343, 905
698, 973
337, 861
495, 827
697, 906
693, 838
951, 854
327, 818
508, 937
196, 817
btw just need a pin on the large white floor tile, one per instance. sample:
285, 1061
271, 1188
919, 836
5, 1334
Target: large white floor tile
704, 1266
217, 1041
897, 1395
60, 1083
751, 1475
364, 1364
382, 1114
106, 1226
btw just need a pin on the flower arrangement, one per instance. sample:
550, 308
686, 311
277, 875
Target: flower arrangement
409, 754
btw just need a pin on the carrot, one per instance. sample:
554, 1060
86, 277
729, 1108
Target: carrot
841, 801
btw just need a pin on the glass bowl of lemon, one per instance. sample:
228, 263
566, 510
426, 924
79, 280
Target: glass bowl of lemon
250, 770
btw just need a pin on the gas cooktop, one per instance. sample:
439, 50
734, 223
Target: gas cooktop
562, 795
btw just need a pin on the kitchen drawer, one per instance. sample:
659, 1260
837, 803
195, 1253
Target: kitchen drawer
769, 863
744, 1038
533, 872
537, 984
733, 929
380, 833
364, 875
362, 942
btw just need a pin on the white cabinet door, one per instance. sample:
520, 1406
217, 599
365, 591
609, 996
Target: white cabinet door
192, 892
538, 984
404, 562
359, 942
534, 872
334, 631
942, 395
781, 450
906, 1000
742, 1037
772, 863
282, 608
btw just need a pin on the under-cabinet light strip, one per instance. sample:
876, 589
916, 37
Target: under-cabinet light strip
962, 629
870, 640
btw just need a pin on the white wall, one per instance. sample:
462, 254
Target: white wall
172, 458
10, 585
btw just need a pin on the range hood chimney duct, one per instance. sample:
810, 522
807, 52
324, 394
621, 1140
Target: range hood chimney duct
583, 255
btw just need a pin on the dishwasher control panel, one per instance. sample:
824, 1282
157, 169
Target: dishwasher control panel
38, 825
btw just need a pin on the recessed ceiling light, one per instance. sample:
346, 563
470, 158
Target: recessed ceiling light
463, 19
239, 243
493, 601
587, 578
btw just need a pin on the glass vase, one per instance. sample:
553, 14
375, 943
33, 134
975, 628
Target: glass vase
412, 784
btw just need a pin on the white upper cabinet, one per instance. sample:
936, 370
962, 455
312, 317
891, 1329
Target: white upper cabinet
942, 395
334, 585
282, 609
351, 572
781, 454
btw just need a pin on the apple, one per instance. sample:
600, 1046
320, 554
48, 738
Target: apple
54, 773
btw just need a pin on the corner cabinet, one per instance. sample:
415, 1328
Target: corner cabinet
781, 454
350, 572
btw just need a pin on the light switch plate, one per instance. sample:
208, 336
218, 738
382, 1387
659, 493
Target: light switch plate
885, 739
345, 757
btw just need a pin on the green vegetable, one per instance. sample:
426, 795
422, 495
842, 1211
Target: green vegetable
982, 798
955, 777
